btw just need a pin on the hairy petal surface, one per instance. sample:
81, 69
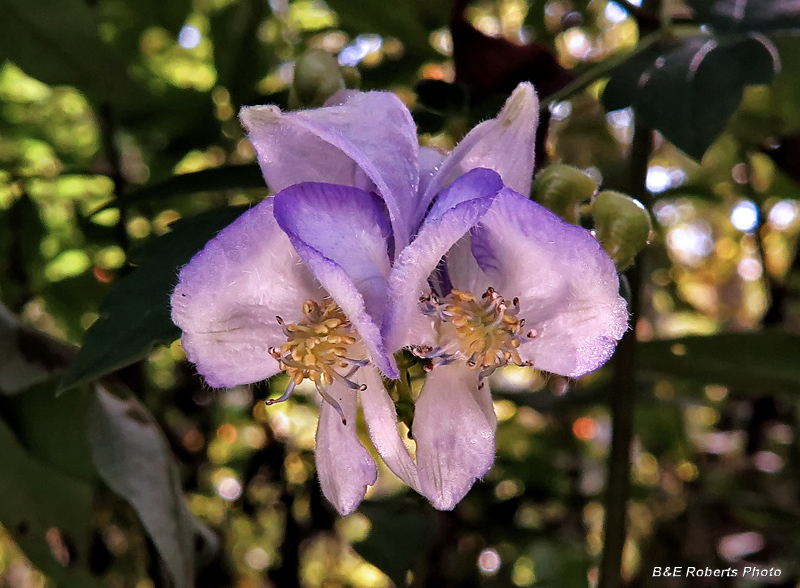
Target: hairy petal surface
567, 285
505, 144
342, 234
455, 440
229, 294
381, 418
430, 160
345, 468
457, 209
368, 141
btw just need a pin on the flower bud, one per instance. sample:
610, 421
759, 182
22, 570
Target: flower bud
622, 225
561, 188
317, 77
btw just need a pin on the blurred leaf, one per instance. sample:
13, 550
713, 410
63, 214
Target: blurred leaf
411, 21
560, 565
170, 15
701, 78
747, 15
56, 42
400, 534
46, 513
133, 458
53, 428
239, 58
17, 372
490, 65
228, 177
660, 429
136, 314
21, 231
764, 361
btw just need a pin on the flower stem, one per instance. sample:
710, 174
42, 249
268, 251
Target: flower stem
624, 398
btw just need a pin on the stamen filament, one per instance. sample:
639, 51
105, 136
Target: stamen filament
484, 333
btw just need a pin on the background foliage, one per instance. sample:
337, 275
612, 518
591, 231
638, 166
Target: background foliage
121, 155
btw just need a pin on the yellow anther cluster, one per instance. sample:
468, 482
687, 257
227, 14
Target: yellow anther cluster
484, 332
317, 345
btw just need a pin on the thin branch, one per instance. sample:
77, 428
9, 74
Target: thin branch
623, 401
599, 71
108, 131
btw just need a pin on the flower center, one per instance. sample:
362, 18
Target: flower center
317, 349
485, 332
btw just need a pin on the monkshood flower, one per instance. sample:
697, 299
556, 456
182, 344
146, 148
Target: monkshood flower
301, 282
493, 279
298, 283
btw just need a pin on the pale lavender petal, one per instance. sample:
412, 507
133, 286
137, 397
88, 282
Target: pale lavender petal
229, 294
483, 396
505, 144
342, 234
457, 209
381, 418
345, 468
455, 442
430, 160
567, 285
369, 141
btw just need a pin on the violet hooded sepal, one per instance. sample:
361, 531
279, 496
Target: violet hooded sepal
369, 141
505, 144
343, 236
457, 209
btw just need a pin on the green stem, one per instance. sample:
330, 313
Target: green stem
624, 397
108, 131
601, 70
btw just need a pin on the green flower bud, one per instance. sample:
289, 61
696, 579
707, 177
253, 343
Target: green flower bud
317, 77
622, 225
561, 188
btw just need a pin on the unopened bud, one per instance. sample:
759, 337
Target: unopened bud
561, 188
622, 225
317, 77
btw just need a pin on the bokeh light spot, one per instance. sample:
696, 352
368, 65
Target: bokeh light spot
744, 216
489, 562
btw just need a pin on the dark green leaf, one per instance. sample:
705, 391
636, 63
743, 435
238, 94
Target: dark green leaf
748, 15
229, 177
701, 79
53, 428
38, 503
56, 41
620, 91
764, 361
441, 96
133, 458
428, 121
136, 315
401, 532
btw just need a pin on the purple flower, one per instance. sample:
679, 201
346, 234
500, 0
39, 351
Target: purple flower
298, 283
373, 244
493, 279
